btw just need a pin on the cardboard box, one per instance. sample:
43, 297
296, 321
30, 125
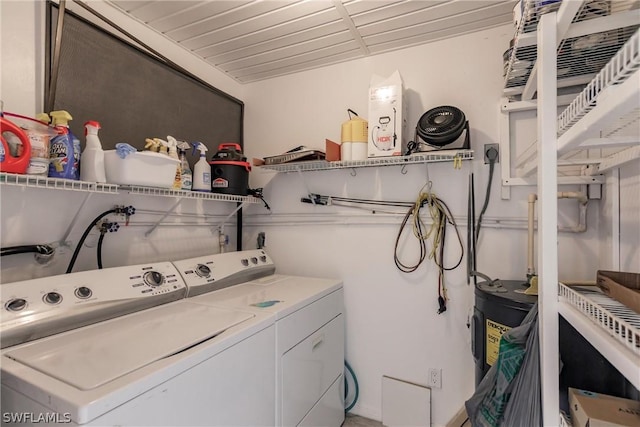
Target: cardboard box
621, 286
387, 116
590, 409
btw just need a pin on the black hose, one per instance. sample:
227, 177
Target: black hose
84, 236
99, 250
25, 249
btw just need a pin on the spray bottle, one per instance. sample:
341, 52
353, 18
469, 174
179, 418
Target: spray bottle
201, 170
186, 177
173, 153
64, 149
92, 157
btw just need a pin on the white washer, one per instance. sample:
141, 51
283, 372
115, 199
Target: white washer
184, 362
309, 350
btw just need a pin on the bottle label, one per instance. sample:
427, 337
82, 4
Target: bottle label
58, 156
2, 153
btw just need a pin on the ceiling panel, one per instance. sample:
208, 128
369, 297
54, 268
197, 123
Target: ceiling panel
186, 15
312, 27
252, 40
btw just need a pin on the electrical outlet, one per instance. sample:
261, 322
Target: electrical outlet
488, 148
435, 378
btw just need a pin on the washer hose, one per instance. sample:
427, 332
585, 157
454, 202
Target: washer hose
346, 387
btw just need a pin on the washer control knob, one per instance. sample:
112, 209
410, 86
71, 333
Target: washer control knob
244, 262
52, 298
16, 304
254, 260
263, 258
202, 270
153, 278
83, 292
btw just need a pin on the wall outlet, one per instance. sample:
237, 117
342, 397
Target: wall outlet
435, 378
489, 148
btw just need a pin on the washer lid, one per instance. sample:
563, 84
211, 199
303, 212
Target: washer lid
89, 357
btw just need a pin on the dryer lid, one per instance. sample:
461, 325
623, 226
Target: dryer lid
92, 356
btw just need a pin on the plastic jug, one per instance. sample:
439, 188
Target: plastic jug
13, 162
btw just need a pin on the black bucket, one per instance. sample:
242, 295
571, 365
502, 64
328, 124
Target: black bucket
229, 171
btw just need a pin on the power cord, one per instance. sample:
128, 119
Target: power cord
441, 216
492, 155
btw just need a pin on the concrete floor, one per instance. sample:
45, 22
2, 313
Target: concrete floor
358, 421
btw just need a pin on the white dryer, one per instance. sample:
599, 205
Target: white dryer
184, 362
309, 322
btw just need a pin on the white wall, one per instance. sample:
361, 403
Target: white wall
392, 325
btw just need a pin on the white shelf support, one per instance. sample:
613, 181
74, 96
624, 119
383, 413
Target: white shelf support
548, 220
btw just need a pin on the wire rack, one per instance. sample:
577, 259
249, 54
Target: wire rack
622, 323
56, 183
580, 57
424, 157
622, 65
163, 192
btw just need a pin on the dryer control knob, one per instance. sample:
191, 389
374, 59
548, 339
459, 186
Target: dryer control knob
254, 260
202, 270
263, 258
244, 262
16, 304
153, 278
52, 298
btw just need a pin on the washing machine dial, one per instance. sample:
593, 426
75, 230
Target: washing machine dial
202, 270
52, 298
16, 304
244, 262
83, 292
254, 260
153, 278
263, 258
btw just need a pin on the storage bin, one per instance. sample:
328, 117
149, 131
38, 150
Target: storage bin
144, 168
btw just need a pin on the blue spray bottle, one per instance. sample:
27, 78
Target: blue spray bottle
64, 149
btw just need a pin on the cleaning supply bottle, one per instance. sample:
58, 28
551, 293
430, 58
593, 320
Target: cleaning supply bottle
172, 144
201, 170
92, 158
186, 177
64, 149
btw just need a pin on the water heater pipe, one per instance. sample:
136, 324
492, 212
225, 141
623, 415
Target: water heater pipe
581, 227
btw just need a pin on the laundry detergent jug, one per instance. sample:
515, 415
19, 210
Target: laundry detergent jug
15, 151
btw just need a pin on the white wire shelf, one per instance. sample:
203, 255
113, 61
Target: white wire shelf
424, 157
598, 30
38, 181
611, 327
164, 192
56, 183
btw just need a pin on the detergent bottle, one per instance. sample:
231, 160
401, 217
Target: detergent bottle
186, 177
92, 158
201, 170
64, 149
172, 143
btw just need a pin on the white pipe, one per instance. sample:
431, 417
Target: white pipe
579, 228
532, 208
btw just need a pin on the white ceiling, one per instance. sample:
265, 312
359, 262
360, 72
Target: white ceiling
252, 40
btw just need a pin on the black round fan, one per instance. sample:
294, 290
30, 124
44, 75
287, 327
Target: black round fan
441, 125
